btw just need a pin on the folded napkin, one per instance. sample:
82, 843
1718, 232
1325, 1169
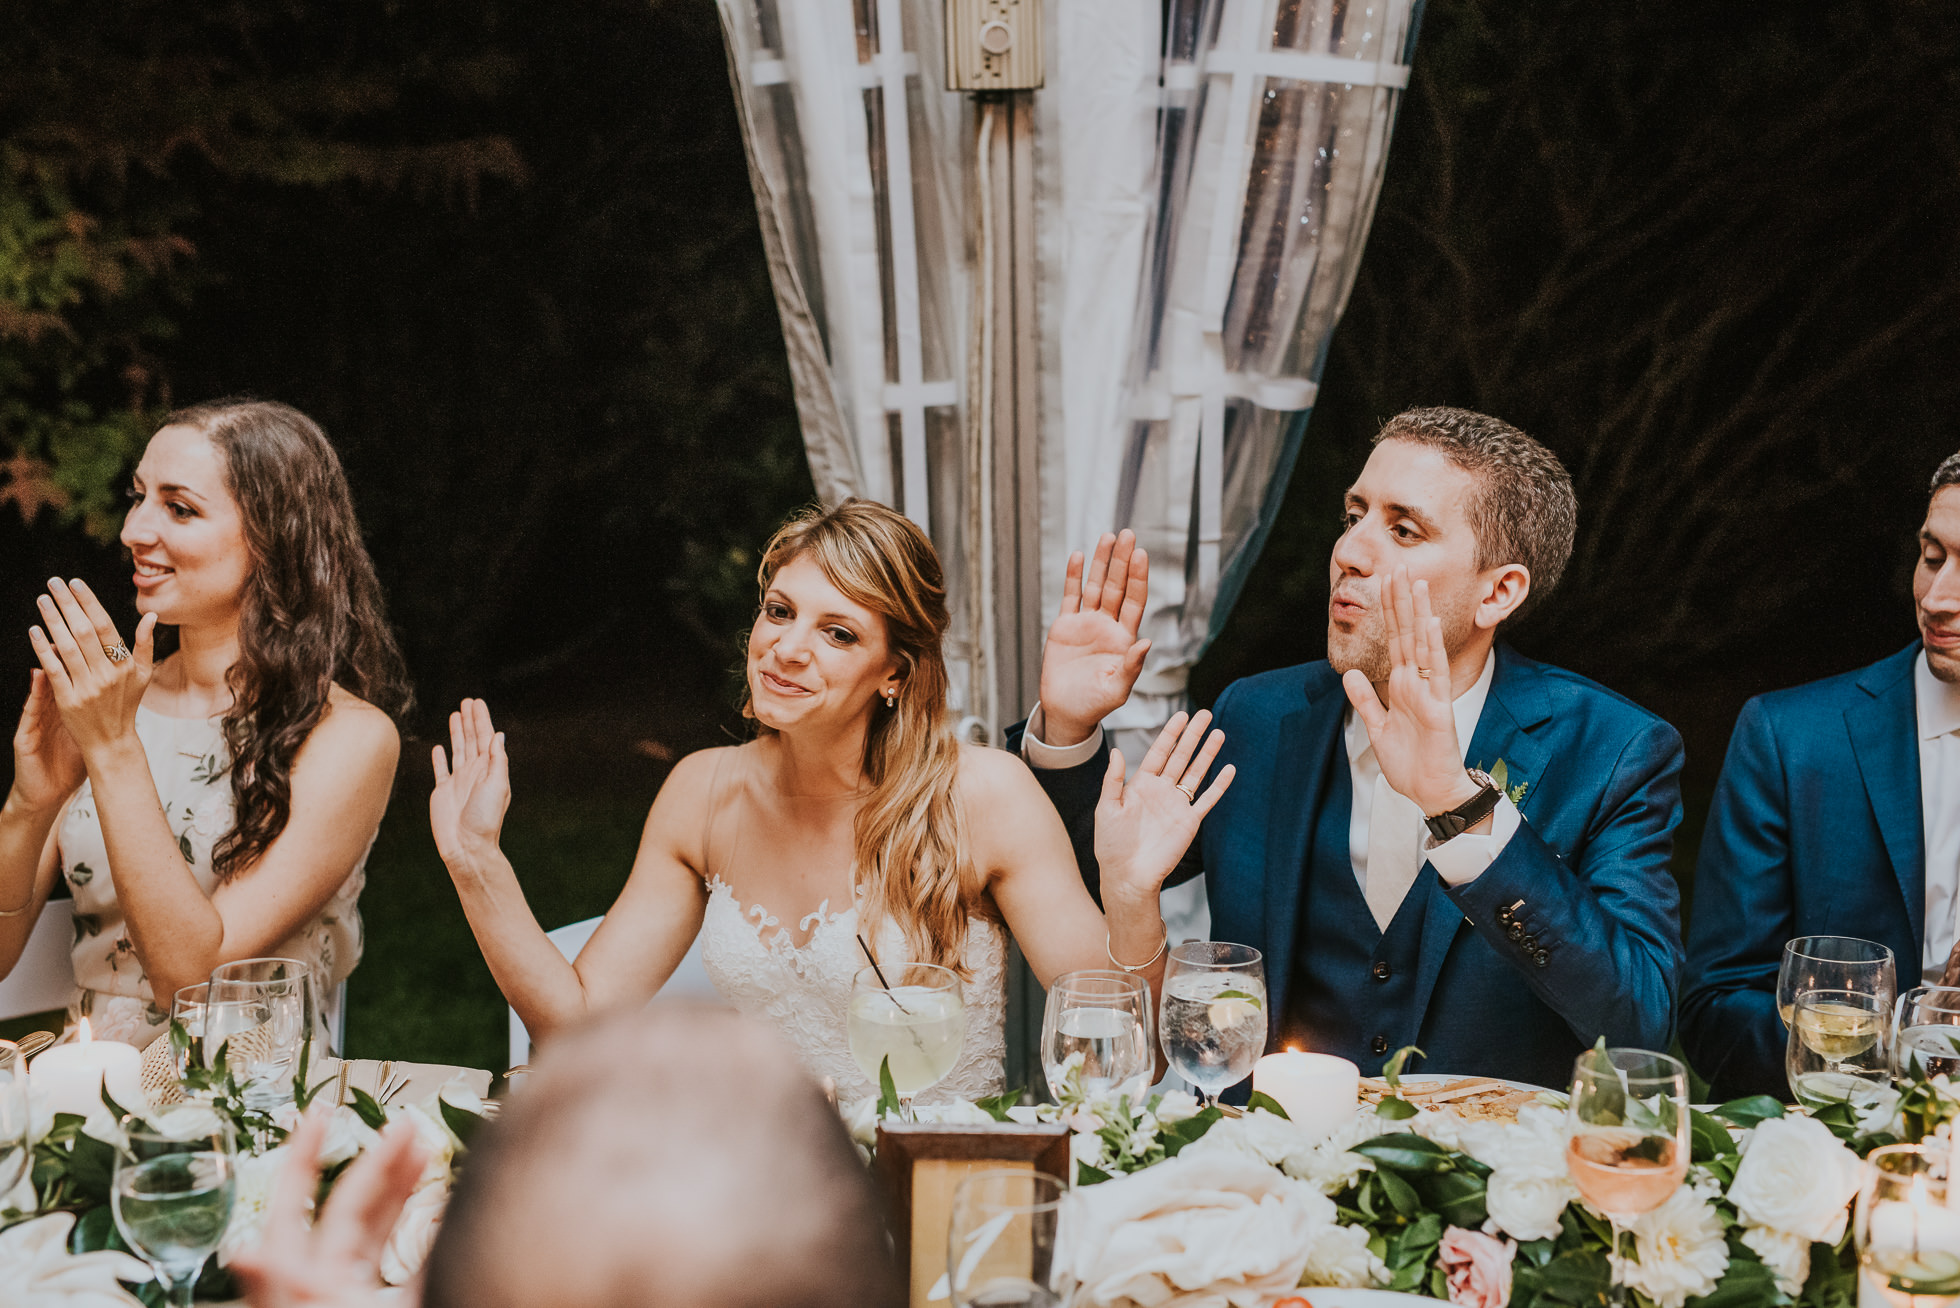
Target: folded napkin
1198, 1231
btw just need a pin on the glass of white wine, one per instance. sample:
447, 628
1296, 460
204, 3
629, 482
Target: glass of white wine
1838, 1053
1214, 1013
1926, 1032
918, 1023
1104, 1016
1833, 963
171, 1195
14, 1116
1002, 1241
1628, 1153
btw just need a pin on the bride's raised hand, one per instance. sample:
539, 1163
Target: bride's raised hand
1143, 826
466, 809
47, 764
96, 680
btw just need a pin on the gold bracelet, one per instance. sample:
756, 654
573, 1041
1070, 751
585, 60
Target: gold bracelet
1162, 945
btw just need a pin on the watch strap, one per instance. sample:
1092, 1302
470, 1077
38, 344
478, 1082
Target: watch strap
1451, 824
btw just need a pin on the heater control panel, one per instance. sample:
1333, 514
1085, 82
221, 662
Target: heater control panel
993, 45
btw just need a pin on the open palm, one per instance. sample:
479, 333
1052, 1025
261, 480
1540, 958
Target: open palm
47, 762
467, 807
1143, 826
1092, 656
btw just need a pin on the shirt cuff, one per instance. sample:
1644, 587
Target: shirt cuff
1040, 754
1463, 859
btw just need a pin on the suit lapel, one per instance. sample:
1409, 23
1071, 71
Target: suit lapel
1300, 774
1516, 706
1885, 740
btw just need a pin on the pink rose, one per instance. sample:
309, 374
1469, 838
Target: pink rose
1479, 1268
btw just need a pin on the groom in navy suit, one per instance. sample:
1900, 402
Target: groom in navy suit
1398, 894
1837, 813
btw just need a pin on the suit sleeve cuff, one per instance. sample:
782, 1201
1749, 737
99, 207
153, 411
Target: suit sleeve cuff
1040, 754
1462, 860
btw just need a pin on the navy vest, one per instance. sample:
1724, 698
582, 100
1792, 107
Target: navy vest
1352, 992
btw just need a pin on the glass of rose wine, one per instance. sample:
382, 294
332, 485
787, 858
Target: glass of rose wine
1628, 1117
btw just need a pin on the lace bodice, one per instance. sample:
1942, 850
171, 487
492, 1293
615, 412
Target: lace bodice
804, 990
188, 761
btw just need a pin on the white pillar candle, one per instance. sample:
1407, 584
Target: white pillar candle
1914, 1226
1318, 1091
69, 1078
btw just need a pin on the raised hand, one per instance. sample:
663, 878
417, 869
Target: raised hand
1144, 826
47, 764
337, 1262
96, 681
1093, 657
1414, 732
466, 809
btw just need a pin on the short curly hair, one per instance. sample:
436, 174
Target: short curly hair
1947, 474
1524, 510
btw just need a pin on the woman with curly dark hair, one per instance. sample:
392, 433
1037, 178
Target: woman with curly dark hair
219, 804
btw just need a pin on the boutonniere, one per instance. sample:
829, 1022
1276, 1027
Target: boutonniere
1501, 774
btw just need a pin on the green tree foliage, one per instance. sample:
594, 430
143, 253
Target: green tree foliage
116, 117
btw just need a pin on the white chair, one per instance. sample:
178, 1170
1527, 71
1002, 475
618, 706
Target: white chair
44, 978
690, 979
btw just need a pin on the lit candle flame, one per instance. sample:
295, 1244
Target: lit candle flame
1295, 1049
84, 1035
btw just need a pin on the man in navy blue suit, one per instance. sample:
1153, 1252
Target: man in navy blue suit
1836, 814
1400, 895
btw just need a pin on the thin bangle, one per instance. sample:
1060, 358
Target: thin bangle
16, 912
1162, 945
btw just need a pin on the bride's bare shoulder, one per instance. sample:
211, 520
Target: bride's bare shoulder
694, 776
994, 776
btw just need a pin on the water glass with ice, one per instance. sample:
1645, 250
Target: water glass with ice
1213, 1020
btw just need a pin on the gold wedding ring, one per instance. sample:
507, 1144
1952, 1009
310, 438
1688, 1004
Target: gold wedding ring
1184, 790
1423, 673
117, 652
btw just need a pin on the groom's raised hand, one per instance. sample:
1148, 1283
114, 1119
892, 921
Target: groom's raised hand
1093, 656
1412, 722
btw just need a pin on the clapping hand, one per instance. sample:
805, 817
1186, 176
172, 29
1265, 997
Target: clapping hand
1414, 732
47, 765
336, 1263
1093, 657
466, 809
1144, 826
95, 680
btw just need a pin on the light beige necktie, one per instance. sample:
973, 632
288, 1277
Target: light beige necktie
1395, 832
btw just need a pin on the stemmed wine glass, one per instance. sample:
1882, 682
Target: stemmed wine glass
1926, 1032
14, 1117
1834, 963
171, 1195
1002, 1241
919, 1024
1214, 1013
217, 1015
265, 1063
1837, 1051
1104, 1016
1628, 1153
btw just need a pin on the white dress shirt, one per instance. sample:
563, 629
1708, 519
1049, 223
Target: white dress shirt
1936, 705
1396, 848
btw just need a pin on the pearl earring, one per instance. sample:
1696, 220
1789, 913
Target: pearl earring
891, 699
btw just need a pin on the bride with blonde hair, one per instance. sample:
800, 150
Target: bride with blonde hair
853, 828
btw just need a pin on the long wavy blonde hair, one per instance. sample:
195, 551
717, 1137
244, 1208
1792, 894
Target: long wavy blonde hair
911, 857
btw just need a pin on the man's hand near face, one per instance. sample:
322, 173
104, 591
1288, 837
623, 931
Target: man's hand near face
1093, 657
1414, 731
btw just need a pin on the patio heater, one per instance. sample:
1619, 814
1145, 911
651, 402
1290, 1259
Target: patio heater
1050, 269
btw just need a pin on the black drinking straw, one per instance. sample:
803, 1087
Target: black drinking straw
879, 972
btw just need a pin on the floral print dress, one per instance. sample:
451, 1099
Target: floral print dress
188, 761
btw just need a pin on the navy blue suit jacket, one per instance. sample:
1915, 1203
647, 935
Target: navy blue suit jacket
1815, 830
1590, 863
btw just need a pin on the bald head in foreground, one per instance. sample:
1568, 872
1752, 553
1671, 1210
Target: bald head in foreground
677, 1157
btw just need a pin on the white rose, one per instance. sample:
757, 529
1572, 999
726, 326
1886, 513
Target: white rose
1529, 1185
1527, 1207
1796, 1177
251, 1196
958, 1112
1260, 1136
1340, 1257
1787, 1256
414, 1233
433, 1137
1445, 1129
347, 1135
1176, 1105
1330, 1166
37, 1271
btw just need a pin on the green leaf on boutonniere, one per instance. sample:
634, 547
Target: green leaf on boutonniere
887, 1090
367, 1108
1264, 1101
996, 1106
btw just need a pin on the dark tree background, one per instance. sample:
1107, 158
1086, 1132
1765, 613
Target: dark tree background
506, 253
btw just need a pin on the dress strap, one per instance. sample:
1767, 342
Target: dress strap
719, 787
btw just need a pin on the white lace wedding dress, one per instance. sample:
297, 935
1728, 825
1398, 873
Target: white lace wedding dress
804, 990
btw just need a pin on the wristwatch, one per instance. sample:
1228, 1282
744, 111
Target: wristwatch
1447, 826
